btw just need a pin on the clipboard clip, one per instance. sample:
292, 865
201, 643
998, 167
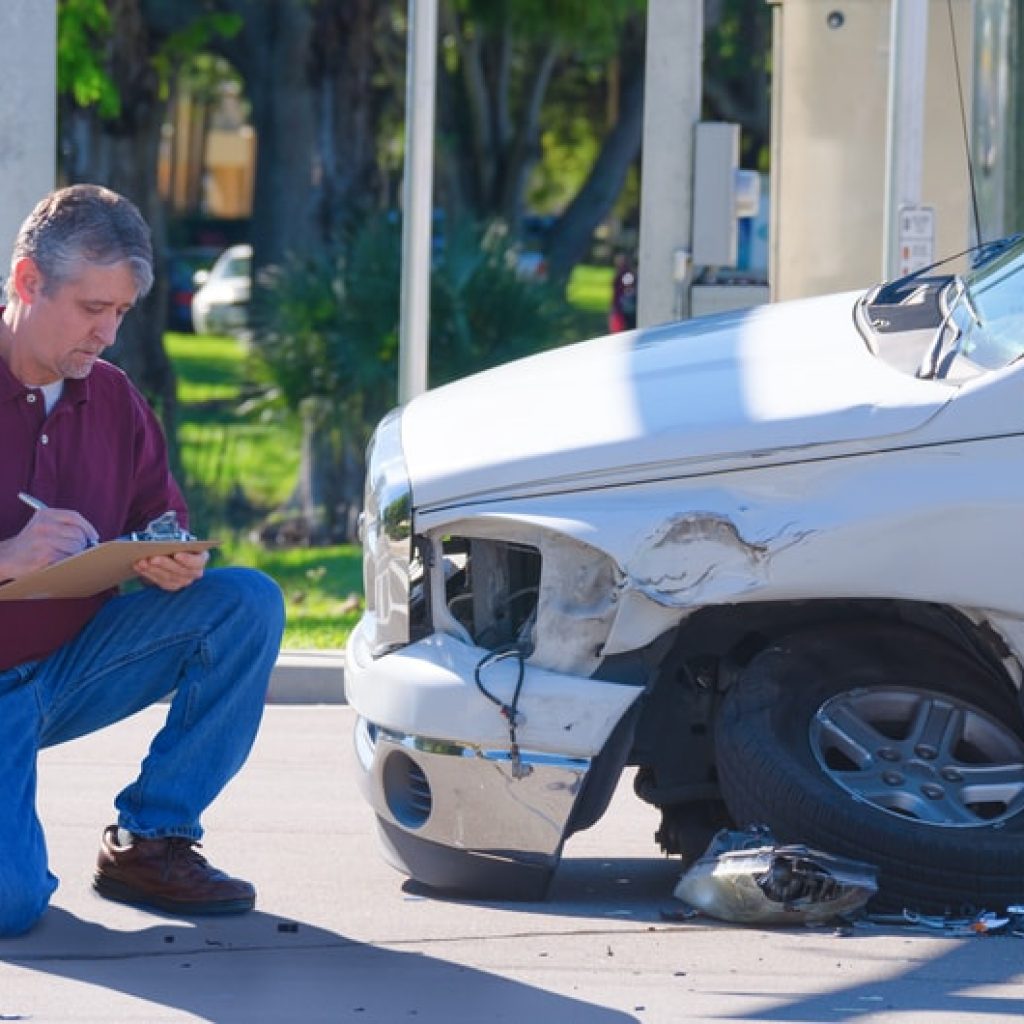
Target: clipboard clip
164, 527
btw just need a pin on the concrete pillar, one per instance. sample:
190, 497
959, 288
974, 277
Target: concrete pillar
830, 84
28, 112
672, 98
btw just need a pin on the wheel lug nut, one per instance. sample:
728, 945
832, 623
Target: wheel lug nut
929, 753
888, 754
951, 775
892, 778
932, 791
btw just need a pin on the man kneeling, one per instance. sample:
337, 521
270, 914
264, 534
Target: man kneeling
84, 462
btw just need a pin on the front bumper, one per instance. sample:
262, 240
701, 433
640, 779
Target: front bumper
466, 820
455, 809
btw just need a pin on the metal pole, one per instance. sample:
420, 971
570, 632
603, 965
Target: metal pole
672, 98
908, 63
417, 198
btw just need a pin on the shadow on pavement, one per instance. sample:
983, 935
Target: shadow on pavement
636, 889
957, 985
261, 967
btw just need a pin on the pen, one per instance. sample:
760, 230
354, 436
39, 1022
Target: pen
31, 502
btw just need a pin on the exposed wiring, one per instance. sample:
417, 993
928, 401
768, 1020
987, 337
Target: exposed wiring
509, 711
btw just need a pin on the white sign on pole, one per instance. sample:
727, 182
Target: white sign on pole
915, 238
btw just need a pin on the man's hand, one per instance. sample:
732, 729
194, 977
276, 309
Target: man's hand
173, 572
50, 535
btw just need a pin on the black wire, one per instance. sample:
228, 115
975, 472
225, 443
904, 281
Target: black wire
963, 123
509, 711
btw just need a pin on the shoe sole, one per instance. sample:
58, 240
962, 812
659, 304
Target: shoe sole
111, 889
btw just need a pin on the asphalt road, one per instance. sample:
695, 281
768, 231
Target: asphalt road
340, 936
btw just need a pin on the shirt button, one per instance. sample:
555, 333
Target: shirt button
44, 438
30, 397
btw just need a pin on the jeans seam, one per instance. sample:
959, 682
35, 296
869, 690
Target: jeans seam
192, 693
126, 660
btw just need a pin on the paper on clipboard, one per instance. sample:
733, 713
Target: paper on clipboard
94, 570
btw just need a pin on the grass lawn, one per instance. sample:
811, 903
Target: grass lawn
590, 291
226, 446
322, 589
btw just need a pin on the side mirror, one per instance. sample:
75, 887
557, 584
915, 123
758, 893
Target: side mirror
200, 277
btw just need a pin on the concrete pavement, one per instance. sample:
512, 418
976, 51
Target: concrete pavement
339, 936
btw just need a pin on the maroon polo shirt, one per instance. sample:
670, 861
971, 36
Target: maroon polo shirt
100, 452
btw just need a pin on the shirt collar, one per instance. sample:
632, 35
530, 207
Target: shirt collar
76, 390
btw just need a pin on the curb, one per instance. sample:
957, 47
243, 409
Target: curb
308, 677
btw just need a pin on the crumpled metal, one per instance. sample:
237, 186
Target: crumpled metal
747, 878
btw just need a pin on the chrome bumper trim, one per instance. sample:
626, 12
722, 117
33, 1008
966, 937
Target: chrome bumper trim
480, 799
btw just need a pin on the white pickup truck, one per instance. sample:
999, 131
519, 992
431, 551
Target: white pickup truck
772, 560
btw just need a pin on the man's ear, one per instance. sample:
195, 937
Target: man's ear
27, 280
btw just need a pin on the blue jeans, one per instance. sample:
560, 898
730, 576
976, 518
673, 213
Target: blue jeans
213, 644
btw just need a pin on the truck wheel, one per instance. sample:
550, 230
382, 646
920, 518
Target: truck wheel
888, 745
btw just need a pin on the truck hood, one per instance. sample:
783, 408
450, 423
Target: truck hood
775, 383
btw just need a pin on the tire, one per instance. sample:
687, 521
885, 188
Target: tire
896, 802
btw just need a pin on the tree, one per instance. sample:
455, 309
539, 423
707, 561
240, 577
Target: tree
329, 337
500, 61
115, 62
504, 59
618, 151
312, 72
737, 47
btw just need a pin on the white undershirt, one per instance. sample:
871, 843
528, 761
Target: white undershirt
51, 394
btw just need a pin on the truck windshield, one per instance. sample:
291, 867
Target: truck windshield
993, 325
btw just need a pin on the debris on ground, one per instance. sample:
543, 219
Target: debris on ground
745, 877
984, 922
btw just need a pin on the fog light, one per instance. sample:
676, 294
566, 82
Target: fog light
406, 790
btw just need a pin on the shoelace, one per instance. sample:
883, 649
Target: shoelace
181, 849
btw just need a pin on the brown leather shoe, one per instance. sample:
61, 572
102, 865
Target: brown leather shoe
168, 875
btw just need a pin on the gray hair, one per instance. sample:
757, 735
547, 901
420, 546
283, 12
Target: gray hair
83, 224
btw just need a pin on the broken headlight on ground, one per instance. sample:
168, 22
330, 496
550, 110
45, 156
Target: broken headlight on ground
747, 878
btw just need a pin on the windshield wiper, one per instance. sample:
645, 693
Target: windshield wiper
930, 364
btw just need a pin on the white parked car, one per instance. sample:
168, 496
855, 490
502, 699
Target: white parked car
223, 294
772, 559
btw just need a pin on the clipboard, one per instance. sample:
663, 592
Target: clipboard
93, 570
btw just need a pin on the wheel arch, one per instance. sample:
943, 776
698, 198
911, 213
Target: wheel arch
705, 654
921, 718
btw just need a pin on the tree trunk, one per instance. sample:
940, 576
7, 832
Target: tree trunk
490, 116
524, 148
122, 153
342, 66
272, 54
572, 233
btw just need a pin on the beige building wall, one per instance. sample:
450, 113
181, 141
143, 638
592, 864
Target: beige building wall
830, 94
206, 169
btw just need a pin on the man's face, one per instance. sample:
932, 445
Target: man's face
69, 329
